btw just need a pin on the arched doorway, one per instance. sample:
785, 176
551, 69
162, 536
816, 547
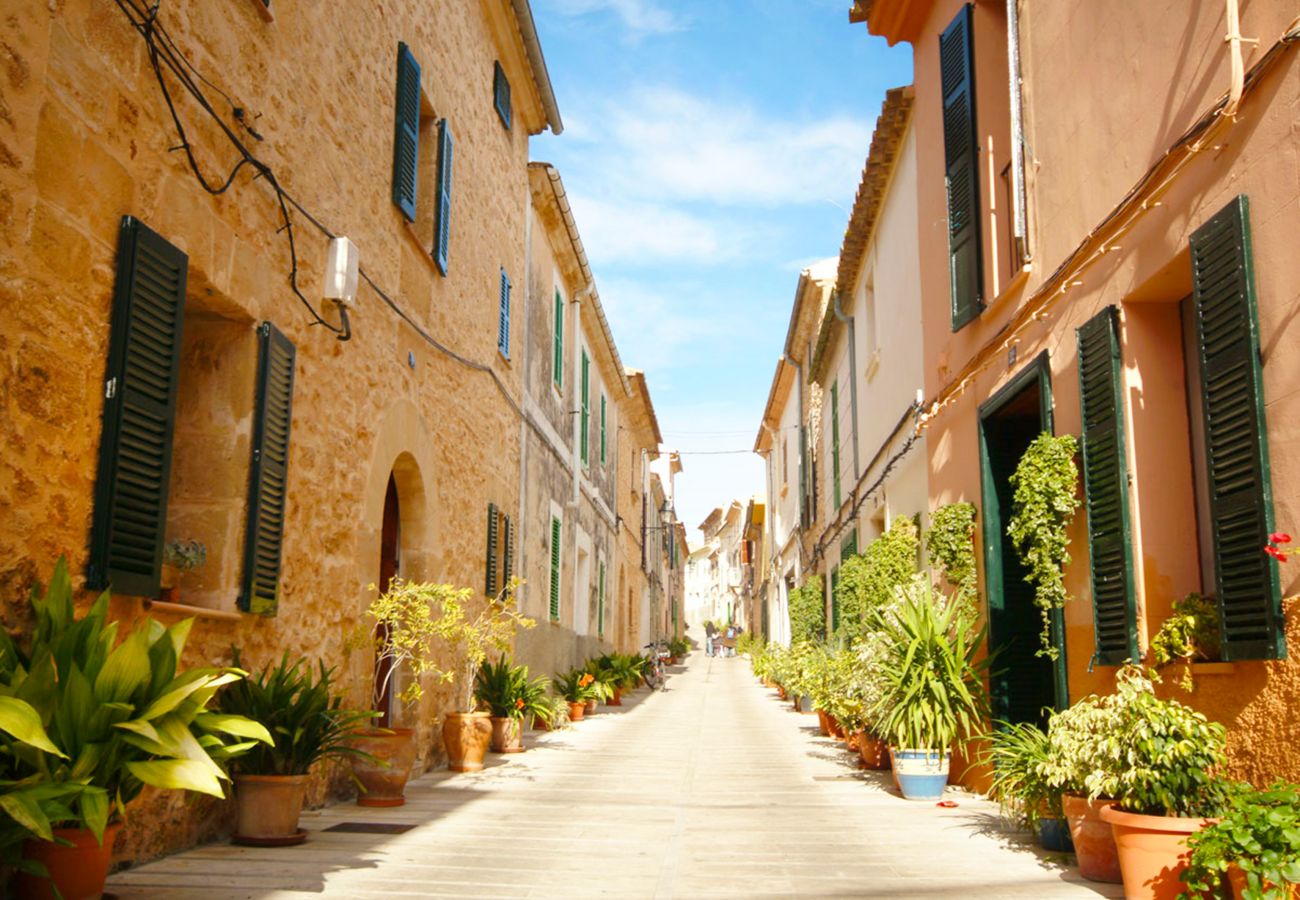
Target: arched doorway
390, 561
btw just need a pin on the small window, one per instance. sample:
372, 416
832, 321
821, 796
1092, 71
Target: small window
501, 94
557, 344
604, 427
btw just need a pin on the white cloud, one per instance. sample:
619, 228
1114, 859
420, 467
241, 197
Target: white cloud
641, 232
639, 17
658, 325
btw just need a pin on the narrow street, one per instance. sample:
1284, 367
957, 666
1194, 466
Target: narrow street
713, 788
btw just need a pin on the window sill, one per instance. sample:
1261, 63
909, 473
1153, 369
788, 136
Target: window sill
199, 612
1214, 668
1014, 286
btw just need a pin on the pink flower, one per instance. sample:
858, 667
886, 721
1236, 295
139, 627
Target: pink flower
1275, 553
1279, 537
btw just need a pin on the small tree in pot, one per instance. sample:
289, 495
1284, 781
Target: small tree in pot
507, 692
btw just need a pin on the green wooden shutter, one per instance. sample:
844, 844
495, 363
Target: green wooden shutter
1105, 485
507, 550
604, 427
501, 94
961, 169
406, 138
555, 569
491, 585
503, 318
135, 448
1241, 502
586, 408
442, 234
835, 440
268, 473
557, 347
849, 546
600, 601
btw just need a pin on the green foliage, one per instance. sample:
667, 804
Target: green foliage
951, 545
1156, 757
679, 646
869, 581
1190, 633
185, 555
932, 692
576, 685
506, 691
414, 624
304, 716
808, 612
623, 670
748, 642
791, 667
108, 719
552, 710
1260, 834
831, 681
1016, 752
1046, 483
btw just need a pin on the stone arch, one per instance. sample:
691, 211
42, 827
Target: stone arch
402, 449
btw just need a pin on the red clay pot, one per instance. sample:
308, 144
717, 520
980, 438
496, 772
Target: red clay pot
1237, 879
617, 699
1094, 842
1152, 851
384, 784
823, 725
780, 692
577, 711
851, 741
873, 751
467, 737
79, 871
268, 809
833, 724
507, 735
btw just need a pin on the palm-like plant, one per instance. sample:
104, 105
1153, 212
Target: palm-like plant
118, 717
932, 691
299, 709
576, 685
507, 691
1016, 752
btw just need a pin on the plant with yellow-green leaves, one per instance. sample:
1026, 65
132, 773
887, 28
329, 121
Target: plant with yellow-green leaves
435, 631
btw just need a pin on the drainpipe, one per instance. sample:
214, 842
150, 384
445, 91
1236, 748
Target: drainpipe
1238, 74
1020, 208
853, 376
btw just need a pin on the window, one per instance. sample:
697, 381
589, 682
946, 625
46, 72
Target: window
603, 426
500, 551
961, 170
557, 344
501, 94
421, 189
554, 606
835, 599
785, 460
849, 546
586, 410
503, 317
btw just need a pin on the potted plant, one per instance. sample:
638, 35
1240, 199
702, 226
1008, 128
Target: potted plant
576, 686
308, 723
118, 716
1166, 786
179, 557
605, 686
1015, 754
621, 672
1255, 844
551, 713
507, 693
932, 692
1190, 634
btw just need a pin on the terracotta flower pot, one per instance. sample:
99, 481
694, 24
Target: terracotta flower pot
851, 741
780, 692
592, 704
466, 737
1152, 851
873, 751
1094, 842
822, 725
577, 711
507, 735
78, 871
833, 724
617, 699
269, 807
384, 780
1237, 879
540, 724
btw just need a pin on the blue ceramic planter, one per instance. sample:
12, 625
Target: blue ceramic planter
1054, 834
921, 774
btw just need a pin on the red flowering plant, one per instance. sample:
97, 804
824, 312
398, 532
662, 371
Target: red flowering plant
1276, 548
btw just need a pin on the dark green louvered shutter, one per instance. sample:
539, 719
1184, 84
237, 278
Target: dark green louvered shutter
961, 151
501, 94
557, 346
835, 441
586, 408
1236, 445
406, 136
503, 317
1105, 484
805, 503
507, 550
269, 473
604, 427
135, 449
491, 585
555, 569
442, 233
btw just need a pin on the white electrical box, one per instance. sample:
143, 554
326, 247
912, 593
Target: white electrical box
341, 267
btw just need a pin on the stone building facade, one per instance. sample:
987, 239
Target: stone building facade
166, 336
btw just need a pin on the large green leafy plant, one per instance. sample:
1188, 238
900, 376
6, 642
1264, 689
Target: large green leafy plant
1046, 483
117, 715
1016, 753
302, 712
507, 691
951, 545
1259, 834
869, 581
808, 612
930, 678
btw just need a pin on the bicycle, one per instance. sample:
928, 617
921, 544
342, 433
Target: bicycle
654, 670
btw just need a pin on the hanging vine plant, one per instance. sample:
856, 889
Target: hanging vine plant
951, 543
1046, 483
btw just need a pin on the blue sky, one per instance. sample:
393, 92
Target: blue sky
712, 149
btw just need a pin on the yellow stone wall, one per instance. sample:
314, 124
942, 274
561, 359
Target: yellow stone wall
85, 138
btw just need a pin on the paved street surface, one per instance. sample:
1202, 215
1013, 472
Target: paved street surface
713, 788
